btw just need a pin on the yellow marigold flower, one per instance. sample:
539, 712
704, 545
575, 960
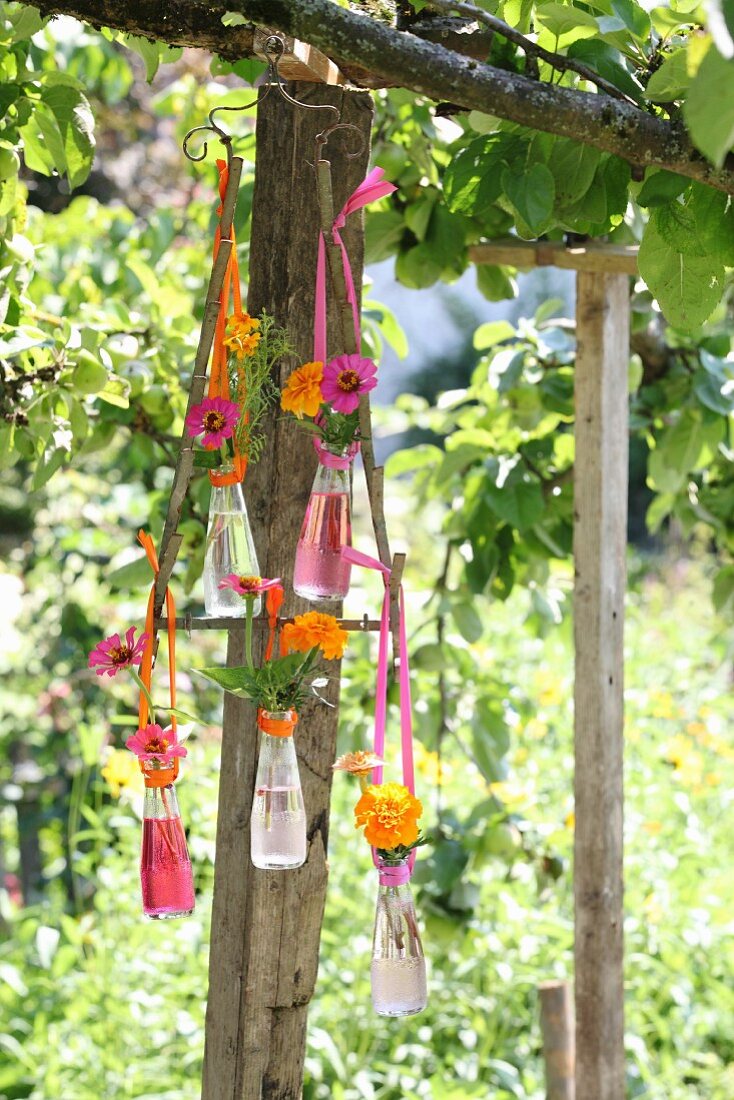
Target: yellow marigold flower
357, 763
121, 770
389, 814
302, 392
241, 336
315, 629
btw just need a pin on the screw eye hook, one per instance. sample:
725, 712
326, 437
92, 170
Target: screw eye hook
322, 139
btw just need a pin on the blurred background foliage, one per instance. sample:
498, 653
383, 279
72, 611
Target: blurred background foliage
104, 249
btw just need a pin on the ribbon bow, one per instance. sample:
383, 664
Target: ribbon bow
371, 188
390, 876
146, 665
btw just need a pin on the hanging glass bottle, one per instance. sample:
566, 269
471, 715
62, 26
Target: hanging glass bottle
165, 867
398, 965
278, 820
229, 549
320, 572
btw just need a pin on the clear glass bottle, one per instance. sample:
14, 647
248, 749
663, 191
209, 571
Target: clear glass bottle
278, 819
319, 572
165, 867
230, 548
398, 964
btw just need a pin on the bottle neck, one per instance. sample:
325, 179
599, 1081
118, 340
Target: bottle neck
227, 498
395, 877
161, 803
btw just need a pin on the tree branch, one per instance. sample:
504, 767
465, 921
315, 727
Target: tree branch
357, 42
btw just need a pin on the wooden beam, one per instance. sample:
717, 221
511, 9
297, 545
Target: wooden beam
299, 61
600, 543
266, 925
612, 259
557, 1025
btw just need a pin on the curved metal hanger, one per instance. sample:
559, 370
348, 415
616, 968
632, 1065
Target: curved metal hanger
274, 50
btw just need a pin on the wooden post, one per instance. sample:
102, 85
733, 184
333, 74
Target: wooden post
557, 1025
266, 925
600, 542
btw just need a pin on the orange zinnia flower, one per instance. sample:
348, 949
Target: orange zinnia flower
389, 813
302, 392
315, 629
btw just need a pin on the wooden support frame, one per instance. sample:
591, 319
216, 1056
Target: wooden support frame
600, 542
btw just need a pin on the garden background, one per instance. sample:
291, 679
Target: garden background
104, 276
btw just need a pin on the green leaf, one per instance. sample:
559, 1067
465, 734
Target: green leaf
135, 574
573, 166
234, 19
709, 107
491, 333
532, 194
152, 53
472, 179
607, 62
670, 81
661, 187
518, 502
561, 19
116, 392
724, 590
494, 284
467, 621
715, 394
383, 232
676, 453
25, 21
688, 287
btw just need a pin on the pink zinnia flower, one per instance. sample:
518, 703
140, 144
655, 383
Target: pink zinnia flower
154, 743
216, 417
112, 654
248, 586
345, 378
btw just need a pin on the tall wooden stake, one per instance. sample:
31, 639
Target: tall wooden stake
600, 540
266, 925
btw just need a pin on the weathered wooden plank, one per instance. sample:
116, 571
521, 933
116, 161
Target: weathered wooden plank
600, 539
593, 256
557, 1025
266, 924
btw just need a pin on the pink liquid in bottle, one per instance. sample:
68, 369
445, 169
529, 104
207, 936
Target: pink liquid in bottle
320, 573
165, 869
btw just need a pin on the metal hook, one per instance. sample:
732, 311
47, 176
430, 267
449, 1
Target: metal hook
274, 49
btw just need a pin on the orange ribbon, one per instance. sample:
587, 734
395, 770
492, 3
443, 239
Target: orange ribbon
277, 727
146, 665
159, 777
273, 603
219, 375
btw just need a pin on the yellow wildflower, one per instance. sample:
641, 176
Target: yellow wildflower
121, 770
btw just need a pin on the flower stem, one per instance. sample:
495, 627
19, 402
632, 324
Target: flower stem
146, 693
248, 630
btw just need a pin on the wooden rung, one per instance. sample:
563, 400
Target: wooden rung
611, 259
299, 61
190, 622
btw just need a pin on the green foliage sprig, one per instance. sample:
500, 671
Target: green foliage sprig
252, 383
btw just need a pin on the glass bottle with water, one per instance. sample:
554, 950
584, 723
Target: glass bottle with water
320, 573
165, 867
230, 548
278, 819
398, 965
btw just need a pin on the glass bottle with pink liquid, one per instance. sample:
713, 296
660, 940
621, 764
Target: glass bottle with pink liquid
278, 819
320, 573
398, 964
165, 868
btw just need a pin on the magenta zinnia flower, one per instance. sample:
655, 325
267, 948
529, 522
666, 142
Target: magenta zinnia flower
345, 378
216, 417
154, 743
248, 586
113, 654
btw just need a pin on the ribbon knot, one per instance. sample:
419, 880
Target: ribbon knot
371, 188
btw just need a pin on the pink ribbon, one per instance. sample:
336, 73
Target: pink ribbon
335, 462
373, 187
390, 875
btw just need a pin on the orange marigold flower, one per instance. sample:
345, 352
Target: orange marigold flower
389, 814
302, 391
241, 336
315, 629
357, 763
